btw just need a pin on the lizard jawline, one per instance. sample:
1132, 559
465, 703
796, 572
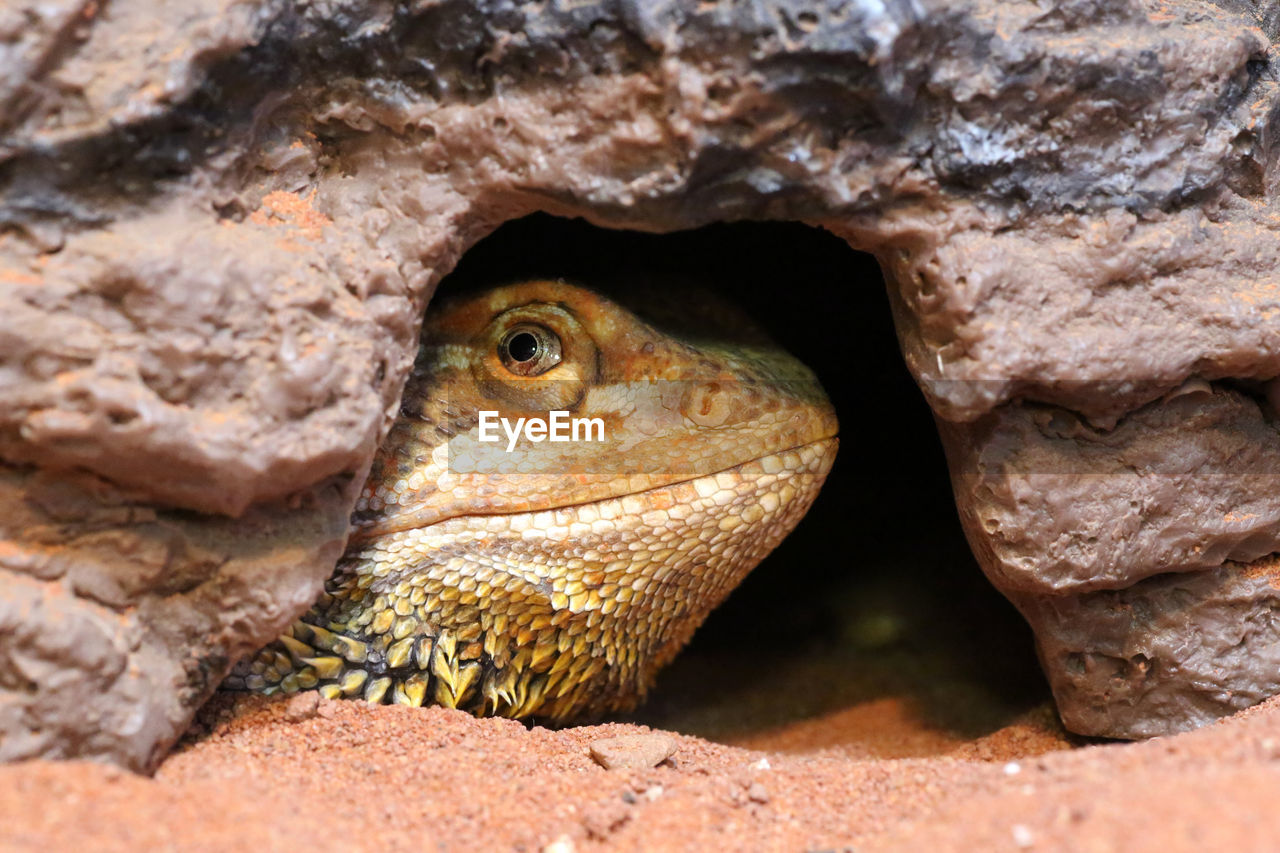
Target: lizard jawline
553, 614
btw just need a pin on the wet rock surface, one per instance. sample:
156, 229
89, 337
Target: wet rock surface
221, 224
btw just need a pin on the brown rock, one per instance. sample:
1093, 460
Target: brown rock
302, 706
629, 752
223, 221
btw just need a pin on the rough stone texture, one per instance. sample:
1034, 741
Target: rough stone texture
222, 221
1185, 648
626, 752
1142, 555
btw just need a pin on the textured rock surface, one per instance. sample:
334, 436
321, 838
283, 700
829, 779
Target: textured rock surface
221, 223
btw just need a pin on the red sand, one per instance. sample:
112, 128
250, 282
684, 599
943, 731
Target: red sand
261, 774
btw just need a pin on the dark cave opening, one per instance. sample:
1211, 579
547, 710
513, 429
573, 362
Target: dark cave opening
875, 598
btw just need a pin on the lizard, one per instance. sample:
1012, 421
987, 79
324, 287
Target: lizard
552, 579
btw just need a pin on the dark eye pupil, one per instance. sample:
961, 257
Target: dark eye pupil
523, 346
529, 349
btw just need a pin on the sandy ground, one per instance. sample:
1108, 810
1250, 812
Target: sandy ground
304, 773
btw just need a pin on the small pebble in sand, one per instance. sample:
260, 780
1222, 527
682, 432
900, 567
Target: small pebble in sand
1022, 835
563, 844
757, 793
762, 764
633, 751
1013, 768
302, 706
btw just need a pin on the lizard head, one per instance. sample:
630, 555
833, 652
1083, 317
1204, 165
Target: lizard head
505, 573
693, 391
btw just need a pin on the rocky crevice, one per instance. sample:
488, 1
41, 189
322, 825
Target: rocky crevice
220, 223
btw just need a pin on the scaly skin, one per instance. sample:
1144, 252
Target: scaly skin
555, 580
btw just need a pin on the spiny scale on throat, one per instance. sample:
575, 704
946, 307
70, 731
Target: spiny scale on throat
554, 581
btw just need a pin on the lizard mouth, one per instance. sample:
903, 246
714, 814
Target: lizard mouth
769, 464
501, 496
765, 462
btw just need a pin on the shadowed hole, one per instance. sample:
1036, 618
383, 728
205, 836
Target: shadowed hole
871, 628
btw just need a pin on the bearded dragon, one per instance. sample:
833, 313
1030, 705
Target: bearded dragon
527, 577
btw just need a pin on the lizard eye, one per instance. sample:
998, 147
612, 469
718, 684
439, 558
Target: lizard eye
529, 349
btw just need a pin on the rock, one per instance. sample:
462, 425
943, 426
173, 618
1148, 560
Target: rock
1190, 646
631, 752
1150, 608
217, 247
302, 706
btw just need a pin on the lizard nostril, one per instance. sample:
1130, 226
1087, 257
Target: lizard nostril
706, 404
